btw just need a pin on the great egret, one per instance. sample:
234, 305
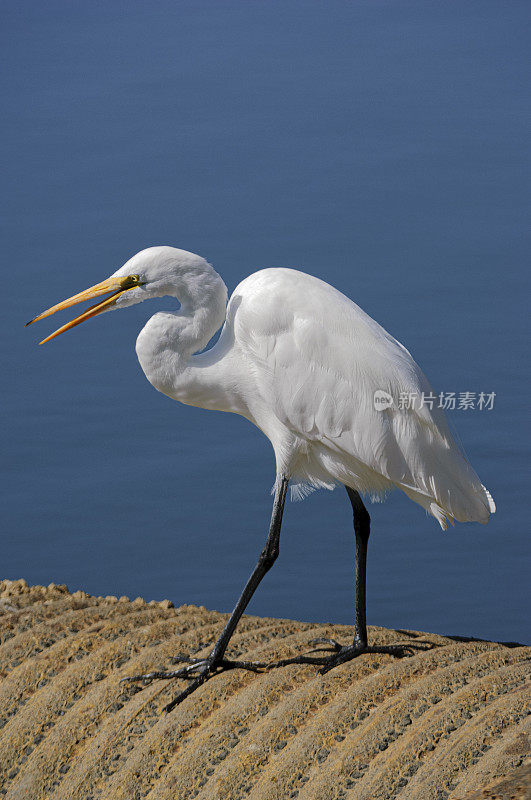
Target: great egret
307, 366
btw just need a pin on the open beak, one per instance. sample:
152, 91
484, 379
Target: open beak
116, 286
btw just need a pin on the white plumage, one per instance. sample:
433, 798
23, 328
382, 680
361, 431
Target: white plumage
302, 362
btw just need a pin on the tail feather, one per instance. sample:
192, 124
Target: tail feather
471, 502
492, 504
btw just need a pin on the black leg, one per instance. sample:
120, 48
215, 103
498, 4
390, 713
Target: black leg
341, 653
362, 529
199, 670
267, 558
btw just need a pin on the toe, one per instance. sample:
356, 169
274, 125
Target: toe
332, 642
251, 666
184, 694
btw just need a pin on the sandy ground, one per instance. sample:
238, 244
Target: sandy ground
450, 721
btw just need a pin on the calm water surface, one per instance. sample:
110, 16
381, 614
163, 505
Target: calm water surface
380, 146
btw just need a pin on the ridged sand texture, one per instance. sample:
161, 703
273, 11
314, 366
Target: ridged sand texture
448, 722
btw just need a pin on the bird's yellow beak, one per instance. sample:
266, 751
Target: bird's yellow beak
115, 285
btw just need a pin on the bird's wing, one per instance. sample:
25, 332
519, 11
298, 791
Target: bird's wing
318, 360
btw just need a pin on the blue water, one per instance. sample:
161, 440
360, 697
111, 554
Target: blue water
378, 145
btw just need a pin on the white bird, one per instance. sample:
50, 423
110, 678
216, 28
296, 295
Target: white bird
307, 366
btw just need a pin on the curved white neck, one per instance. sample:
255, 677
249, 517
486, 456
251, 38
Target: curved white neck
168, 340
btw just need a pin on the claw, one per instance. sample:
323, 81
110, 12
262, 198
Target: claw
197, 663
399, 650
183, 672
208, 670
336, 646
341, 654
203, 668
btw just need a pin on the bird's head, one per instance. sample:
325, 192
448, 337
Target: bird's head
154, 272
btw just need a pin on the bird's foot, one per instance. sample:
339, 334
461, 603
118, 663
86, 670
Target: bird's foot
339, 654
197, 671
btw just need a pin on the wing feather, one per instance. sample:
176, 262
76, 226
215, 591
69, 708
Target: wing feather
318, 359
